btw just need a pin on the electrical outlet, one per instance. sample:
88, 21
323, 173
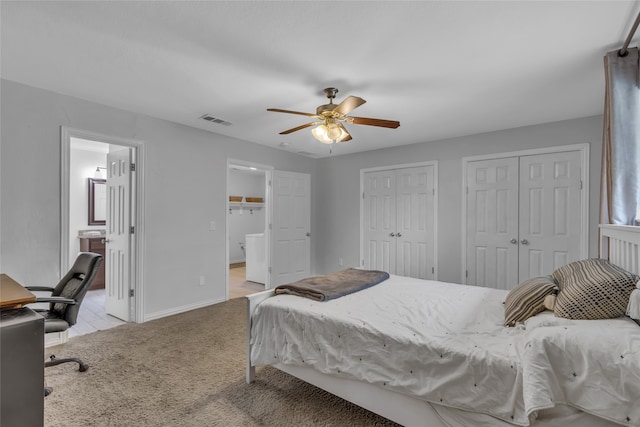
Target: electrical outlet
202, 281
341, 262
212, 225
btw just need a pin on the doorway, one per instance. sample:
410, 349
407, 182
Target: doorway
92, 161
247, 228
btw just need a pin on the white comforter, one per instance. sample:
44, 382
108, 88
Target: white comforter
445, 343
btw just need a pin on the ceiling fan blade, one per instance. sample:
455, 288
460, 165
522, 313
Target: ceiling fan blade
347, 136
306, 125
372, 122
278, 110
349, 104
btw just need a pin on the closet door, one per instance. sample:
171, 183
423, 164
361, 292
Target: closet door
399, 221
523, 217
379, 221
550, 203
415, 222
492, 223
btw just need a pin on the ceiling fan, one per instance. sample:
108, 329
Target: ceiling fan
329, 127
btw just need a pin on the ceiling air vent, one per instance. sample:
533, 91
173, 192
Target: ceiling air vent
215, 120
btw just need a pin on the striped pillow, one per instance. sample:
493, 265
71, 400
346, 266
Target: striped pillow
527, 299
593, 289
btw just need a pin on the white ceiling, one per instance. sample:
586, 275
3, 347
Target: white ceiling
442, 68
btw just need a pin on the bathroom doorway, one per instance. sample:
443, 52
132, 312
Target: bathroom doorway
247, 228
98, 162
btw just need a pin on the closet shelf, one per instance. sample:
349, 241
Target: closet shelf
245, 205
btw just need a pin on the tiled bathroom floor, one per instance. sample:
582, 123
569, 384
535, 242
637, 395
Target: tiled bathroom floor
92, 316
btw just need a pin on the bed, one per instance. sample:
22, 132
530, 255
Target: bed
448, 360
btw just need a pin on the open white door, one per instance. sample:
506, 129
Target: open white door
291, 227
118, 241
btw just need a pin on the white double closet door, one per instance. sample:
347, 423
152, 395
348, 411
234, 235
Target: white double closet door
399, 221
523, 217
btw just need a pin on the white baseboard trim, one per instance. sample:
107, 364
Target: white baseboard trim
55, 338
181, 309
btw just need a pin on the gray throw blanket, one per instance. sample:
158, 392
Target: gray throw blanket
333, 285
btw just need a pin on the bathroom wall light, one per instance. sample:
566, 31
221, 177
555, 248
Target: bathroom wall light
98, 173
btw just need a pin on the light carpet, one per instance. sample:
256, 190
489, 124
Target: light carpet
184, 370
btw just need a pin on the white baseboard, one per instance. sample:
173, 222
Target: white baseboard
55, 338
181, 309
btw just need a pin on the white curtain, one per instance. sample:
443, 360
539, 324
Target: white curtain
620, 182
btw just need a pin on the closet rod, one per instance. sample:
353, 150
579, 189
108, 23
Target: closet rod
624, 51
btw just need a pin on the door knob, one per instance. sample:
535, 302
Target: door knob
514, 241
399, 235
524, 241
105, 241
392, 234
308, 234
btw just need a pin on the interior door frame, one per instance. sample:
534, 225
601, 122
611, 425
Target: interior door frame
584, 177
268, 170
433, 163
138, 205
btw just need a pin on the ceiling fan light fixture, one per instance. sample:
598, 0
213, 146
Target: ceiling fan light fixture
334, 132
321, 134
330, 128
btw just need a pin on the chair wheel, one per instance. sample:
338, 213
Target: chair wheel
83, 367
47, 391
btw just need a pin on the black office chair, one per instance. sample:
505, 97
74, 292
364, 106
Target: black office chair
65, 301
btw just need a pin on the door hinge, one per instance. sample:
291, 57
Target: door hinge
466, 273
131, 293
433, 191
363, 263
132, 229
133, 167
581, 184
363, 195
269, 226
433, 270
269, 270
269, 183
467, 190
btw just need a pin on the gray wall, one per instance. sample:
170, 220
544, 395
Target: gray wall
338, 184
185, 178
186, 188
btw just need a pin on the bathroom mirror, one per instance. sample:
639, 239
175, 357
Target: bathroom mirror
97, 201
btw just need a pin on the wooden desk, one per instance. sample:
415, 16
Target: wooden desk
12, 294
